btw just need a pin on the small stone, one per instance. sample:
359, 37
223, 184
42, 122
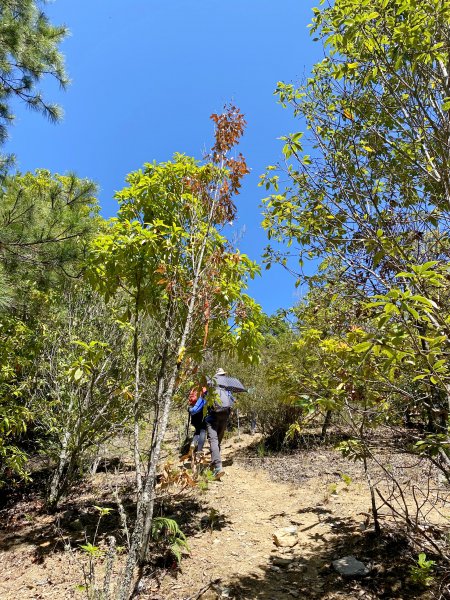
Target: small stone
285, 537
349, 566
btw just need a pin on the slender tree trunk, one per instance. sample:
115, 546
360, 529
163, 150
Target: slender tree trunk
110, 559
57, 477
56, 481
142, 529
326, 424
149, 495
376, 522
136, 411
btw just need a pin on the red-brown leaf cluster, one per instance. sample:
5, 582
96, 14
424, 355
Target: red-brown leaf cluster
230, 126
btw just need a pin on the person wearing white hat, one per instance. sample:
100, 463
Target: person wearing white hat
216, 422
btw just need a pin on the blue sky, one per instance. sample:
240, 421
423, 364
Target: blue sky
147, 74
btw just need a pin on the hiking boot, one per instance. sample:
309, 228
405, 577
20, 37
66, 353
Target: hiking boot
218, 474
191, 450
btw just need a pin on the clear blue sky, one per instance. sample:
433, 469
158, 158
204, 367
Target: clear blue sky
147, 74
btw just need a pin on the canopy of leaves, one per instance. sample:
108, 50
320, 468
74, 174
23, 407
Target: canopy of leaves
166, 236
46, 223
368, 192
374, 188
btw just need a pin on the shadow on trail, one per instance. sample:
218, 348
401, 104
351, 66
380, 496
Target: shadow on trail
313, 576
192, 516
73, 524
26, 522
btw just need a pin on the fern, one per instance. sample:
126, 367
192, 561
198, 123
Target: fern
167, 530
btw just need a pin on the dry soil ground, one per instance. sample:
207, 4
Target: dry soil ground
230, 527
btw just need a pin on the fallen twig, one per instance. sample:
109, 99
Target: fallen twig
204, 589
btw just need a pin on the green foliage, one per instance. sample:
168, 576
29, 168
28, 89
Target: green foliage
421, 574
206, 477
46, 222
346, 479
332, 489
65, 395
167, 531
103, 510
28, 52
269, 401
375, 190
83, 395
92, 551
151, 249
370, 200
261, 449
212, 519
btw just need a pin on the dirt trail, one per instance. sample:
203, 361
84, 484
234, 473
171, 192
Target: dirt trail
230, 528
245, 509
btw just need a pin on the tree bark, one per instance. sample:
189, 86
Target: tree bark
136, 411
326, 424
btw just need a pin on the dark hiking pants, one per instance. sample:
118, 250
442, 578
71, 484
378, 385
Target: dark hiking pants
198, 421
216, 424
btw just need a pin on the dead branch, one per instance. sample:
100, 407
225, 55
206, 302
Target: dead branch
204, 589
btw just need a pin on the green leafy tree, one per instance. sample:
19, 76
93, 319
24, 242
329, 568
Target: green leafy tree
166, 251
269, 404
373, 189
47, 222
80, 392
369, 187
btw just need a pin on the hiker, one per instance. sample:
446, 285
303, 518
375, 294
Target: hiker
197, 412
216, 421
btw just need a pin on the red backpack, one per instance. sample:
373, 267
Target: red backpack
194, 394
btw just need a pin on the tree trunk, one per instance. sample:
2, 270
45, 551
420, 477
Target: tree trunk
142, 529
149, 495
136, 411
56, 484
326, 424
376, 522
57, 480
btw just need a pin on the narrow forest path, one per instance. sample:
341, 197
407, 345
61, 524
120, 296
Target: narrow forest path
230, 528
236, 543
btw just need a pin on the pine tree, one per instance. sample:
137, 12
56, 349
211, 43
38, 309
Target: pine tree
28, 52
